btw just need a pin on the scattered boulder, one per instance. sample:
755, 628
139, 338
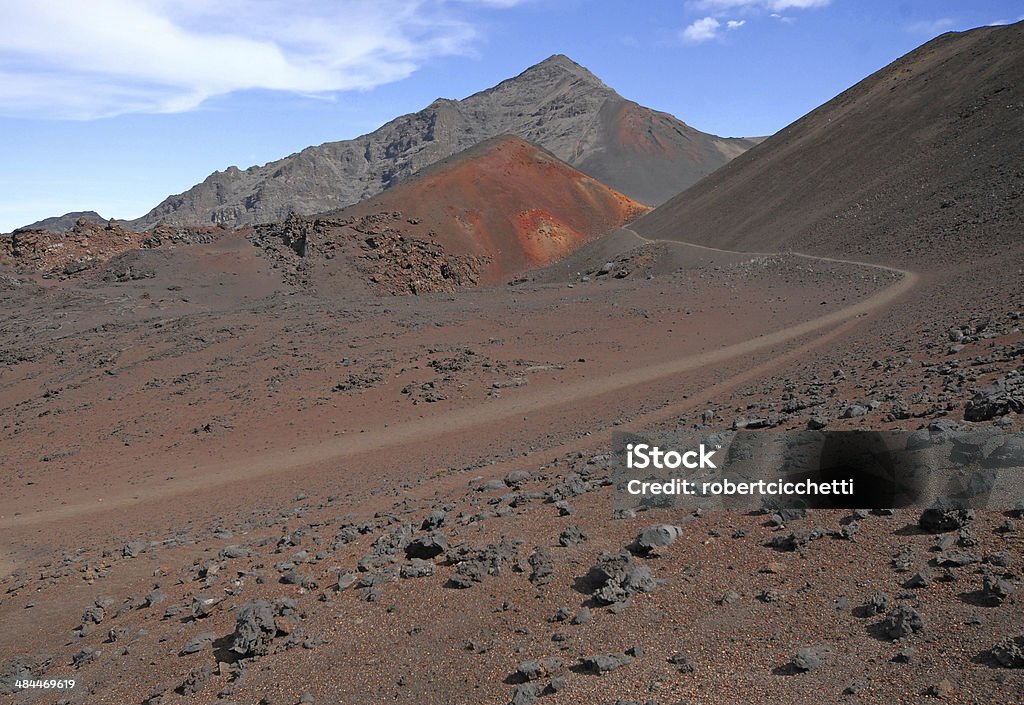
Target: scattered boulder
154, 598
999, 399
203, 606
785, 515
571, 536
346, 580
728, 598
198, 643
682, 661
939, 520
996, 590
84, 656
472, 567
810, 658
134, 548
655, 537
562, 615
435, 520
795, 540
535, 669
426, 547
1010, 652
904, 559
958, 559
945, 689
254, 629
526, 694
93, 615
516, 478
196, 680
907, 655
417, 568
605, 663
918, 580
583, 616
901, 622
468, 573
543, 566
617, 577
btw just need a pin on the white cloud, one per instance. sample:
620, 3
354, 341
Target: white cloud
701, 30
70, 59
717, 10
1000, 23
725, 6
932, 27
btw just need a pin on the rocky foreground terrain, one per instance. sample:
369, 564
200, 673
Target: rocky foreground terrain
282, 499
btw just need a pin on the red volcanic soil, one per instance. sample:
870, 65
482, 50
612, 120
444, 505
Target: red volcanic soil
509, 201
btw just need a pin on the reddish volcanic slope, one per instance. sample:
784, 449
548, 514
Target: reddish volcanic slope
508, 200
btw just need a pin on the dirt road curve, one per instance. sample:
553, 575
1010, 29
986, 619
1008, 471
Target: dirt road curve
435, 428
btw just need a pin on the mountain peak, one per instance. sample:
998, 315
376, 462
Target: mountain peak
561, 62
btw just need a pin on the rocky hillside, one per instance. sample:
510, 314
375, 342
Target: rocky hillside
919, 162
648, 155
479, 217
86, 245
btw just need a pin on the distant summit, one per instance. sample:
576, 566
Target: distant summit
64, 223
557, 104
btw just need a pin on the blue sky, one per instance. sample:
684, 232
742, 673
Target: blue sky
112, 105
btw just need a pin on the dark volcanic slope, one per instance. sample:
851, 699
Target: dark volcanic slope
557, 104
920, 161
501, 207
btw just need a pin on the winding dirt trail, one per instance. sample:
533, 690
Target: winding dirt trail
434, 429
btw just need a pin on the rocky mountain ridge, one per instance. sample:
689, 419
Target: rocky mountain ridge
557, 104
